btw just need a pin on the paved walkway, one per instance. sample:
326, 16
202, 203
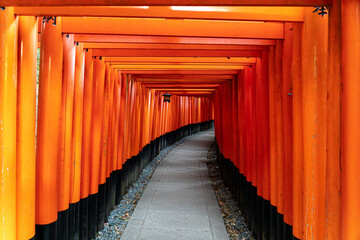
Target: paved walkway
179, 201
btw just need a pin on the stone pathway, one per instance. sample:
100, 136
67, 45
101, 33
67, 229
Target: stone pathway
179, 201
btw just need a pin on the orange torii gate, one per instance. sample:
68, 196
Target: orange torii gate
284, 79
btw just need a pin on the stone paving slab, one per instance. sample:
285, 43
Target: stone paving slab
179, 202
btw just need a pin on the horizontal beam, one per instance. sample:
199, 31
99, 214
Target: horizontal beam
175, 46
186, 89
101, 38
115, 60
180, 85
173, 27
288, 14
32, 3
165, 64
168, 77
178, 67
204, 95
182, 72
173, 53
181, 81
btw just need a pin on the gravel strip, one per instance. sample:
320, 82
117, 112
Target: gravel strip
120, 215
233, 219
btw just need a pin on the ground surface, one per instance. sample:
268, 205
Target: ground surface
233, 218
179, 201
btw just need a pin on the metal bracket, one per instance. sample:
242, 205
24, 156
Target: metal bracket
290, 93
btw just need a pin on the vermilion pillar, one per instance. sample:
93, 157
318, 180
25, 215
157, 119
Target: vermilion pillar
279, 139
96, 127
287, 97
333, 132
8, 72
65, 136
50, 78
297, 134
272, 128
74, 213
123, 86
314, 94
86, 140
26, 110
350, 164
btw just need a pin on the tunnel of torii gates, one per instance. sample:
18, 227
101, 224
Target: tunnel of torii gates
279, 80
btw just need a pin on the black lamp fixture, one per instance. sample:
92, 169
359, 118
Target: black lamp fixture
167, 97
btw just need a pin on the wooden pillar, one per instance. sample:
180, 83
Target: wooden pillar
86, 142
74, 208
240, 90
96, 127
117, 102
47, 145
8, 88
287, 99
122, 119
272, 129
26, 115
279, 140
350, 164
297, 133
65, 136
258, 134
314, 93
333, 124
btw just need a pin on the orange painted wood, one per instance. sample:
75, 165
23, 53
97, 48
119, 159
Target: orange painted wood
182, 72
26, 115
75, 177
104, 158
96, 123
235, 116
168, 77
240, 90
272, 129
87, 118
175, 46
297, 134
314, 92
101, 38
66, 123
279, 140
333, 140
116, 119
288, 14
173, 27
249, 123
172, 53
167, 3
263, 97
168, 60
287, 86
8, 107
122, 120
350, 116
47, 146
258, 139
